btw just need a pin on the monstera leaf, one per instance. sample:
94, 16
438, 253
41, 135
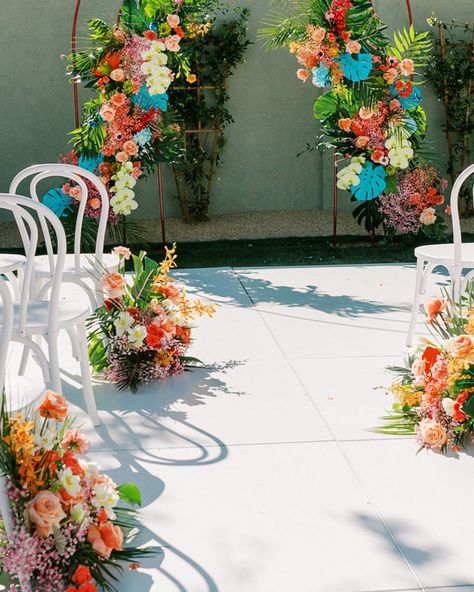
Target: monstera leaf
325, 106
90, 163
57, 201
410, 102
356, 68
146, 101
372, 182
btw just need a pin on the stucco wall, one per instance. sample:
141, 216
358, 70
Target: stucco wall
272, 110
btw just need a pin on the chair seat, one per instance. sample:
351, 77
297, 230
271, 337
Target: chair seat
10, 262
22, 393
444, 254
42, 268
70, 314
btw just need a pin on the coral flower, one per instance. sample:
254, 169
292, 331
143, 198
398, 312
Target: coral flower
107, 113
353, 47
81, 575
390, 75
434, 308
407, 67
121, 156
94, 203
118, 100
54, 406
75, 440
191, 78
114, 284
302, 74
345, 124
105, 538
117, 75
45, 512
173, 20
131, 148
362, 141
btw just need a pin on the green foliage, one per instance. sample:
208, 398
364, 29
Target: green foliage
213, 58
412, 45
130, 494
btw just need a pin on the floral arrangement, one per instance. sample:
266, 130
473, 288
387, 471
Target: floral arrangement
126, 129
142, 332
67, 531
434, 393
371, 111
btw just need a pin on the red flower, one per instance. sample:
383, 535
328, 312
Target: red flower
134, 312
151, 35
87, 587
72, 463
113, 59
458, 414
155, 335
430, 355
179, 31
72, 589
81, 575
101, 515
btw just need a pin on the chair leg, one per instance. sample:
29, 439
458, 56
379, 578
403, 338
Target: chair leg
74, 343
86, 375
420, 264
54, 362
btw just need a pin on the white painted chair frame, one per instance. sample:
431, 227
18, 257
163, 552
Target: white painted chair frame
448, 256
23, 333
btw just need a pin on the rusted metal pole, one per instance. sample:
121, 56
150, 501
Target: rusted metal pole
73, 50
162, 203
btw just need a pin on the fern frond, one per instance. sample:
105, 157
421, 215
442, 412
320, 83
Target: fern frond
412, 45
280, 30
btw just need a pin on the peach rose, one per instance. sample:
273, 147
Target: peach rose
461, 346
362, 141
131, 148
434, 308
114, 284
432, 434
45, 512
302, 74
107, 113
172, 43
428, 216
105, 538
123, 252
54, 406
407, 67
345, 124
75, 193
121, 156
75, 441
390, 75
118, 99
117, 75
353, 47
94, 203
173, 20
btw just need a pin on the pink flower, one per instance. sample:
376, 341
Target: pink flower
75, 441
172, 43
121, 157
407, 67
302, 74
173, 20
114, 284
117, 75
107, 112
353, 47
394, 105
123, 252
45, 512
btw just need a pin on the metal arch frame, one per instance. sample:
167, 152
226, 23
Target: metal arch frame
159, 171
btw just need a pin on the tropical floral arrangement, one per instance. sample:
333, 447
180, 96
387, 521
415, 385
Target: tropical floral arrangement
434, 393
142, 332
68, 530
126, 128
371, 112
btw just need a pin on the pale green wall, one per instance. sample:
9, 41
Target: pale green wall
272, 110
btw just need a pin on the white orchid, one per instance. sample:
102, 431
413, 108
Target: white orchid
105, 497
137, 335
123, 323
70, 482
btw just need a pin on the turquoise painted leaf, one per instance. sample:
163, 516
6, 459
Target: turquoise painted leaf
90, 163
146, 101
372, 182
57, 201
356, 67
411, 102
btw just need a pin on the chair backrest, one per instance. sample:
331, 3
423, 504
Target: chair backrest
22, 208
457, 236
39, 172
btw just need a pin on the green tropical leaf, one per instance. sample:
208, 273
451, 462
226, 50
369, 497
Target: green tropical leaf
325, 106
130, 494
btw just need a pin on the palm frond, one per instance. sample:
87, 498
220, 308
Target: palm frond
412, 45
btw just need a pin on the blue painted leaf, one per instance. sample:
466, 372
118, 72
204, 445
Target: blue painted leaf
90, 163
146, 101
356, 67
57, 201
411, 102
372, 182
321, 76
410, 124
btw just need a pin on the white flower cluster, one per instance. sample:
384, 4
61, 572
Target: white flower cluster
349, 176
400, 152
155, 69
123, 202
124, 326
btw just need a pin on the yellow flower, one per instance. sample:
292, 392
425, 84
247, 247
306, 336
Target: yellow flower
406, 394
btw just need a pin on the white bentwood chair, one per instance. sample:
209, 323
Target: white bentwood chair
45, 313
454, 257
77, 265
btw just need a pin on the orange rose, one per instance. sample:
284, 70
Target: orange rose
105, 538
114, 284
54, 406
362, 141
434, 308
432, 433
131, 148
45, 511
461, 346
94, 203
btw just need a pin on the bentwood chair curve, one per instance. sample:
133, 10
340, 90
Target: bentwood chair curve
454, 257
